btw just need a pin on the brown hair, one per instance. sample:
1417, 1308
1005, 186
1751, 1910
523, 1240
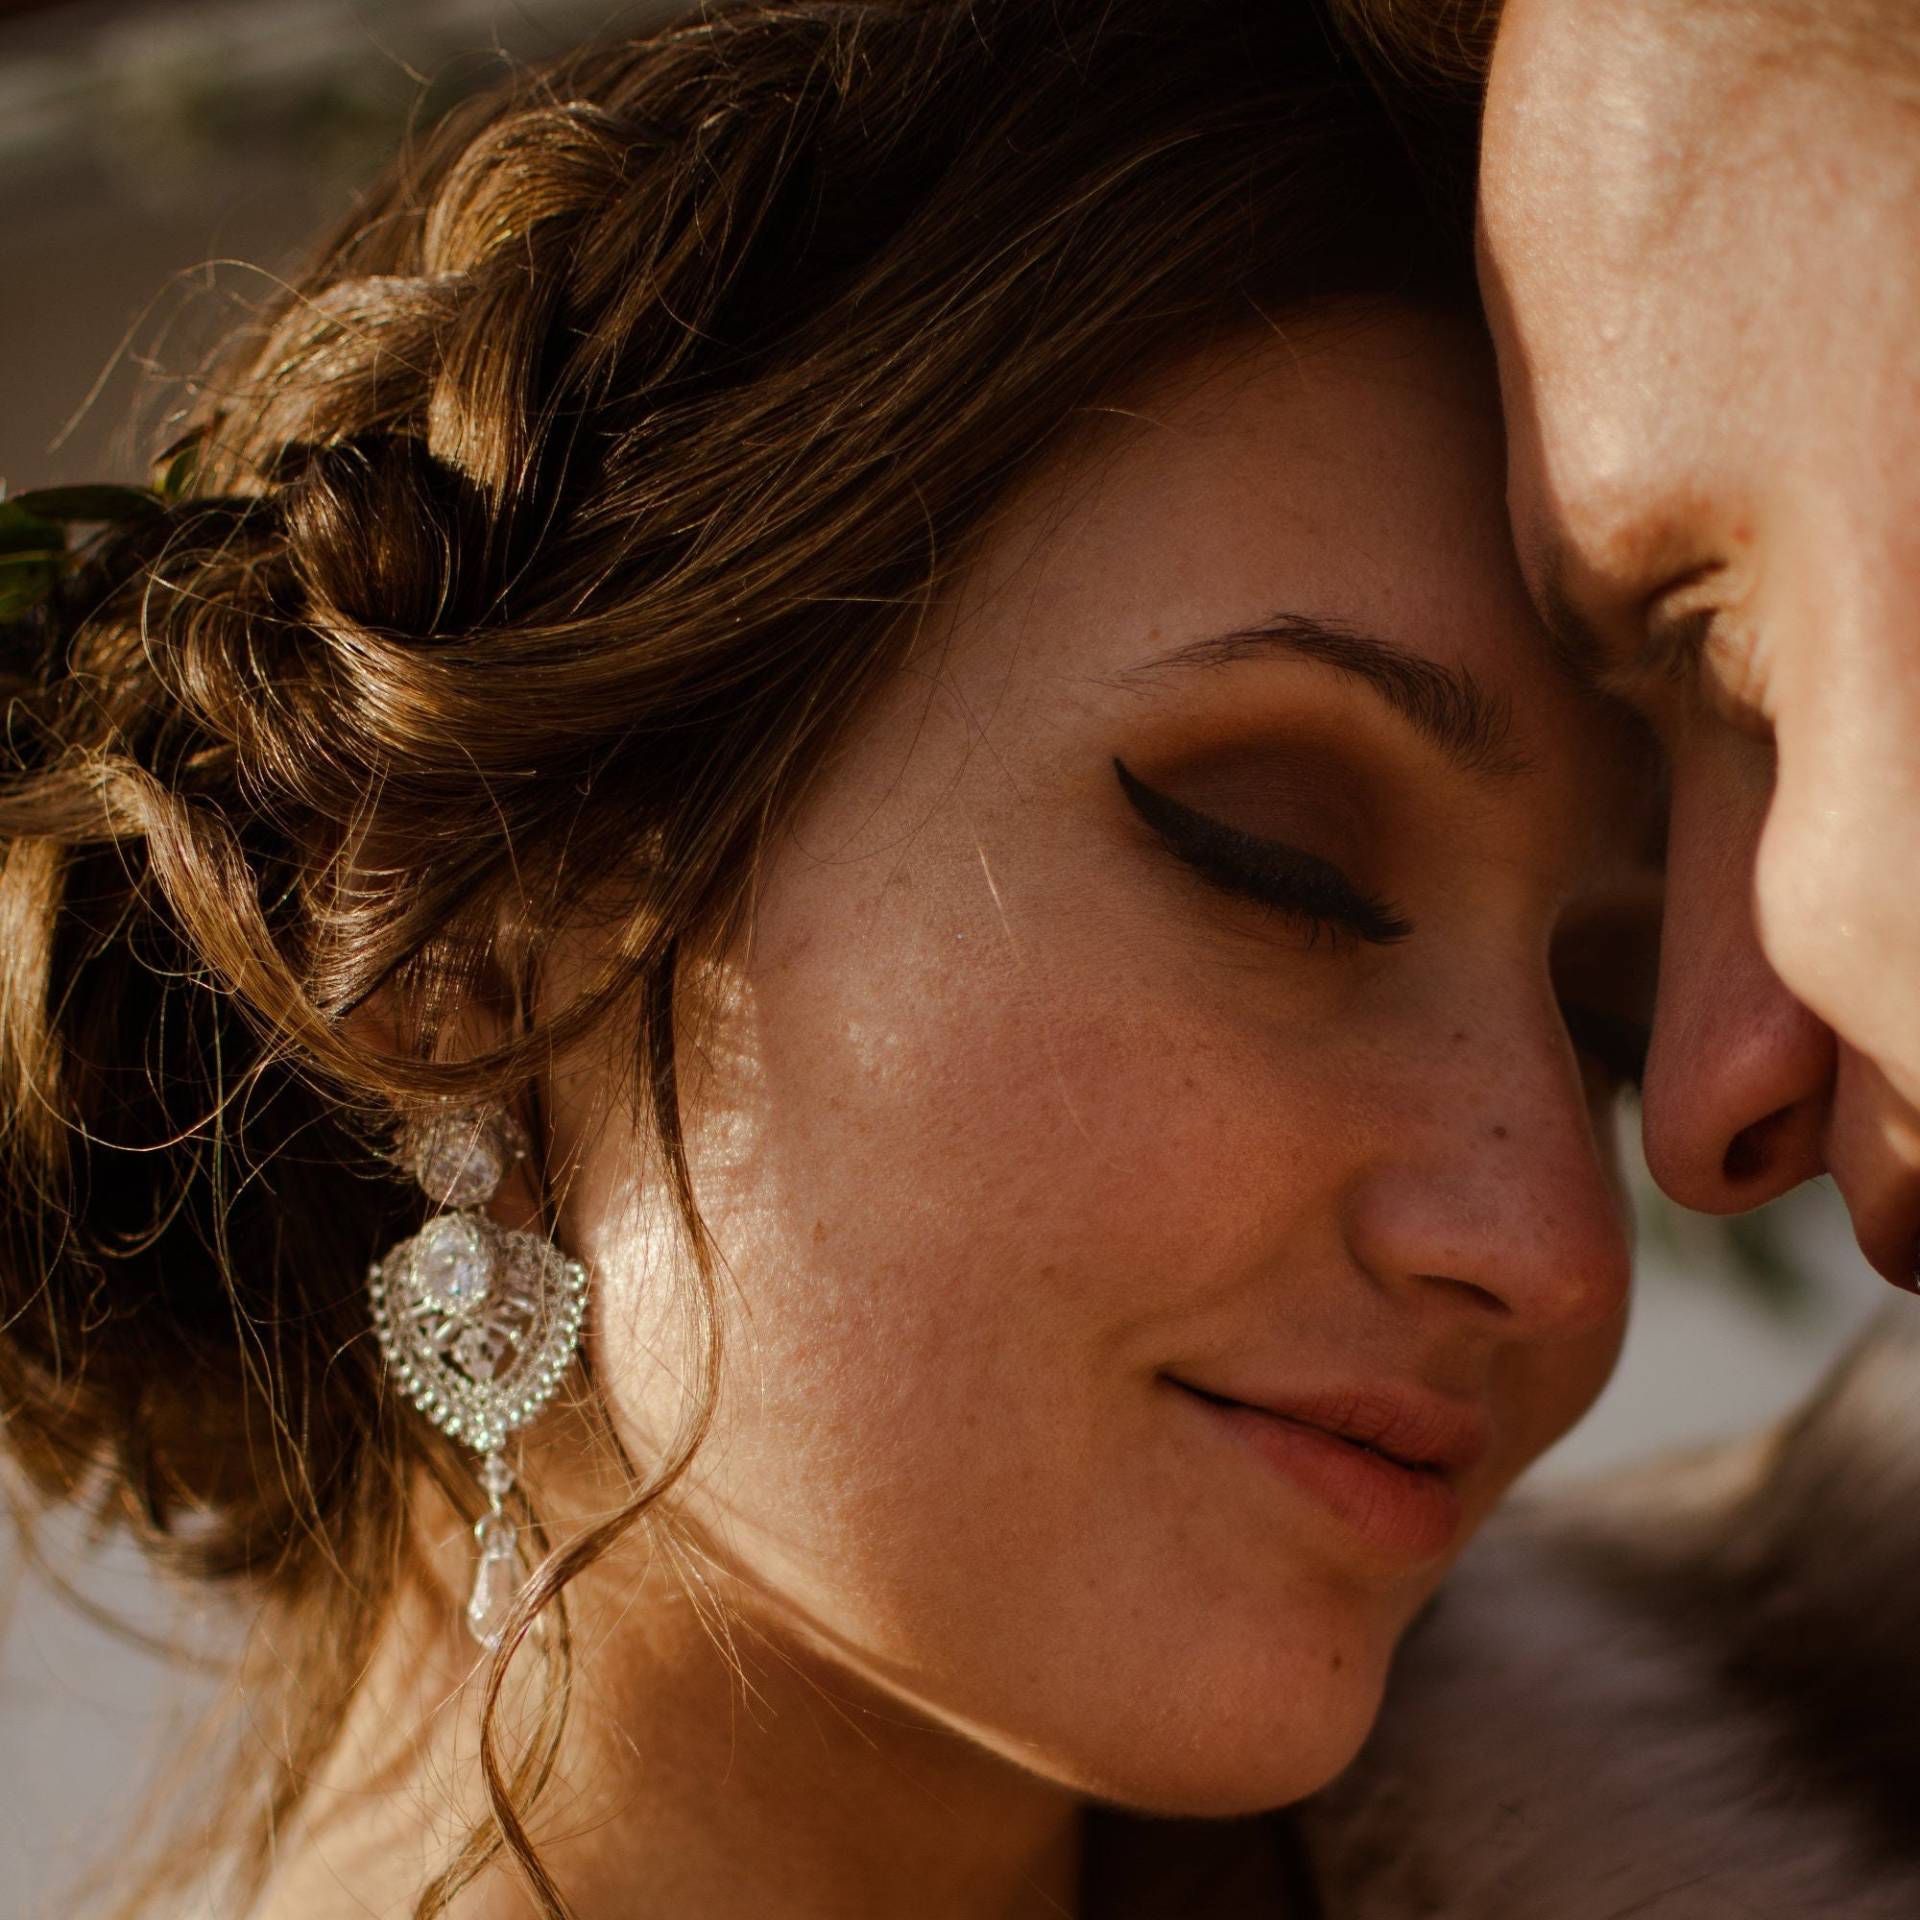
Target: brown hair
1440, 46
539, 541
1429, 60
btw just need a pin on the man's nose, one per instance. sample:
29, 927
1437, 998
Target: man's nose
1740, 1074
1835, 899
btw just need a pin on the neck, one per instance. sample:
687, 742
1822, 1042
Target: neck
706, 1763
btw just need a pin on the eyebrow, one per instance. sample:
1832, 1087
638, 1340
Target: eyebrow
1445, 705
1580, 648
1573, 641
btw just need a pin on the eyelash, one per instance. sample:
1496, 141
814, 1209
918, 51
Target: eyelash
1300, 885
1676, 625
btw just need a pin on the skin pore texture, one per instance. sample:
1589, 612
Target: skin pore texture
1701, 253
1022, 1133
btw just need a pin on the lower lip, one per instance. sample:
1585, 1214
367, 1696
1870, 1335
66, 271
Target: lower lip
1402, 1513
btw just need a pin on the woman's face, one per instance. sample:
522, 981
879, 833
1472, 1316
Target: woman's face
1163, 1204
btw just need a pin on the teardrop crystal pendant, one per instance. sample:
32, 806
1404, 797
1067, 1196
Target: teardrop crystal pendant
499, 1572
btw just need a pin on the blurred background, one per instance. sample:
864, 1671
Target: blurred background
161, 161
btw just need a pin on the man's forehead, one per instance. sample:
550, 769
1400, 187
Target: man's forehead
1608, 127
1654, 213
1701, 274
1636, 104
1630, 181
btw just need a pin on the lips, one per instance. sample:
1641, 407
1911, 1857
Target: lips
1385, 1461
1887, 1224
1412, 1429
1872, 1149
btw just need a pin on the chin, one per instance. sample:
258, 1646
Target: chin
1277, 1729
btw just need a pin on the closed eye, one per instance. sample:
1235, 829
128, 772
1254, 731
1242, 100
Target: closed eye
1287, 879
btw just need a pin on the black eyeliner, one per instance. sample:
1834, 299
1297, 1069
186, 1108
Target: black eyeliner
1268, 871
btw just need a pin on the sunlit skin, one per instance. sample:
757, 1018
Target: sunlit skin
1013, 1130
1701, 251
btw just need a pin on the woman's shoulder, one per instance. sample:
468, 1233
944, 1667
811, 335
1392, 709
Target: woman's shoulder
1690, 1691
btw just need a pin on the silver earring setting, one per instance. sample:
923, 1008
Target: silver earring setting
478, 1324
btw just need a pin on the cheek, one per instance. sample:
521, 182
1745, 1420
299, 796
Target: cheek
984, 1130
953, 1215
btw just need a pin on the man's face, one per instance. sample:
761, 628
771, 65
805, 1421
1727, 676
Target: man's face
1701, 255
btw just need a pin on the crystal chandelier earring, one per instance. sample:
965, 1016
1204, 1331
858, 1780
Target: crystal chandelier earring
478, 1324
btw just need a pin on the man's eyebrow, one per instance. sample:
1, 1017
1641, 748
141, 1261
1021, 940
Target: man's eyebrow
1581, 649
1445, 704
1573, 640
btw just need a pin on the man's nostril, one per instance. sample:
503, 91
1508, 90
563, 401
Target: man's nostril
1483, 1297
1772, 1154
1750, 1152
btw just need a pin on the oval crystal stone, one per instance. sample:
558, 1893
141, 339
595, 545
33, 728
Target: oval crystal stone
452, 1263
460, 1155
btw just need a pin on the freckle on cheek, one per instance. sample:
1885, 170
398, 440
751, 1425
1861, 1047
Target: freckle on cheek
1499, 1133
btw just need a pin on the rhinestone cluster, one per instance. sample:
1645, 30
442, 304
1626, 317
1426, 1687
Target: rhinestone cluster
478, 1323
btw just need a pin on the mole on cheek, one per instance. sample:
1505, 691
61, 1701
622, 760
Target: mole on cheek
1499, 1133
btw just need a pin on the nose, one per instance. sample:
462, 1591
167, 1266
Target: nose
1833, 891
1498, 1201
1740, 1074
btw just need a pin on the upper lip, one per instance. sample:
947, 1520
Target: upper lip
1887, 1224
1868, 1147
1408, 1424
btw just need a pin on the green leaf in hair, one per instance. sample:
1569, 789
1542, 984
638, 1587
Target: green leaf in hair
90, 504
26, 579
22, 531
181, 467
